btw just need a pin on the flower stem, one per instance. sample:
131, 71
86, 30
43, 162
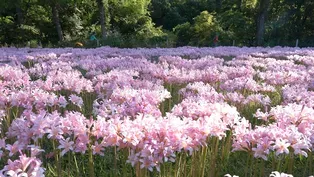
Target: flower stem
76, 166
262, 168
115, 159
247, 164
204, 157
310, 162
214, 156
91, 162
169, 103
291, 161
58, 163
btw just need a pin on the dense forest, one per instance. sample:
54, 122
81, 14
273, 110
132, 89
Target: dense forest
156, 23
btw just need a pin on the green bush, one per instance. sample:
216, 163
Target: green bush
200, 33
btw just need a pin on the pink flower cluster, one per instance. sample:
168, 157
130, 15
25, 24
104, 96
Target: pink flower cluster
24, 166
292, 130
93, 99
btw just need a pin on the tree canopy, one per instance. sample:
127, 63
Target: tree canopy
157, 23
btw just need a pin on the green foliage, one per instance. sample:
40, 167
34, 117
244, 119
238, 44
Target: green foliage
201, 32
183, 33
170, 13
131, 18
288, 21
5, 24
250, 3
125, 41
6, 20
204, 29
144, 22
16, 34
238, 27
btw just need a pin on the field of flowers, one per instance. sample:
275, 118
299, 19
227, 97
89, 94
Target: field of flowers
183, 112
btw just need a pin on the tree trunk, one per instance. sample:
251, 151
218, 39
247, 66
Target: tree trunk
19, 14
101, 8
299, 15
218, 5
56, 19
261, 18
239, 4
306, 14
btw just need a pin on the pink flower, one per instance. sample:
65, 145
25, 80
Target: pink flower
66, 145
78, 101
24, 166
14, 148
55, 132
133, 158
263, 147
62, 102
98, 148
148, 163
261, 115
2, 143
281, 146
35, 150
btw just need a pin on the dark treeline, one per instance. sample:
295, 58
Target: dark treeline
156, 23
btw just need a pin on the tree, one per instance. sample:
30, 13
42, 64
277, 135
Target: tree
201, 32
131, 23
19, 12
261, 18
132, 18
55, 15
101, 9
218, 5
